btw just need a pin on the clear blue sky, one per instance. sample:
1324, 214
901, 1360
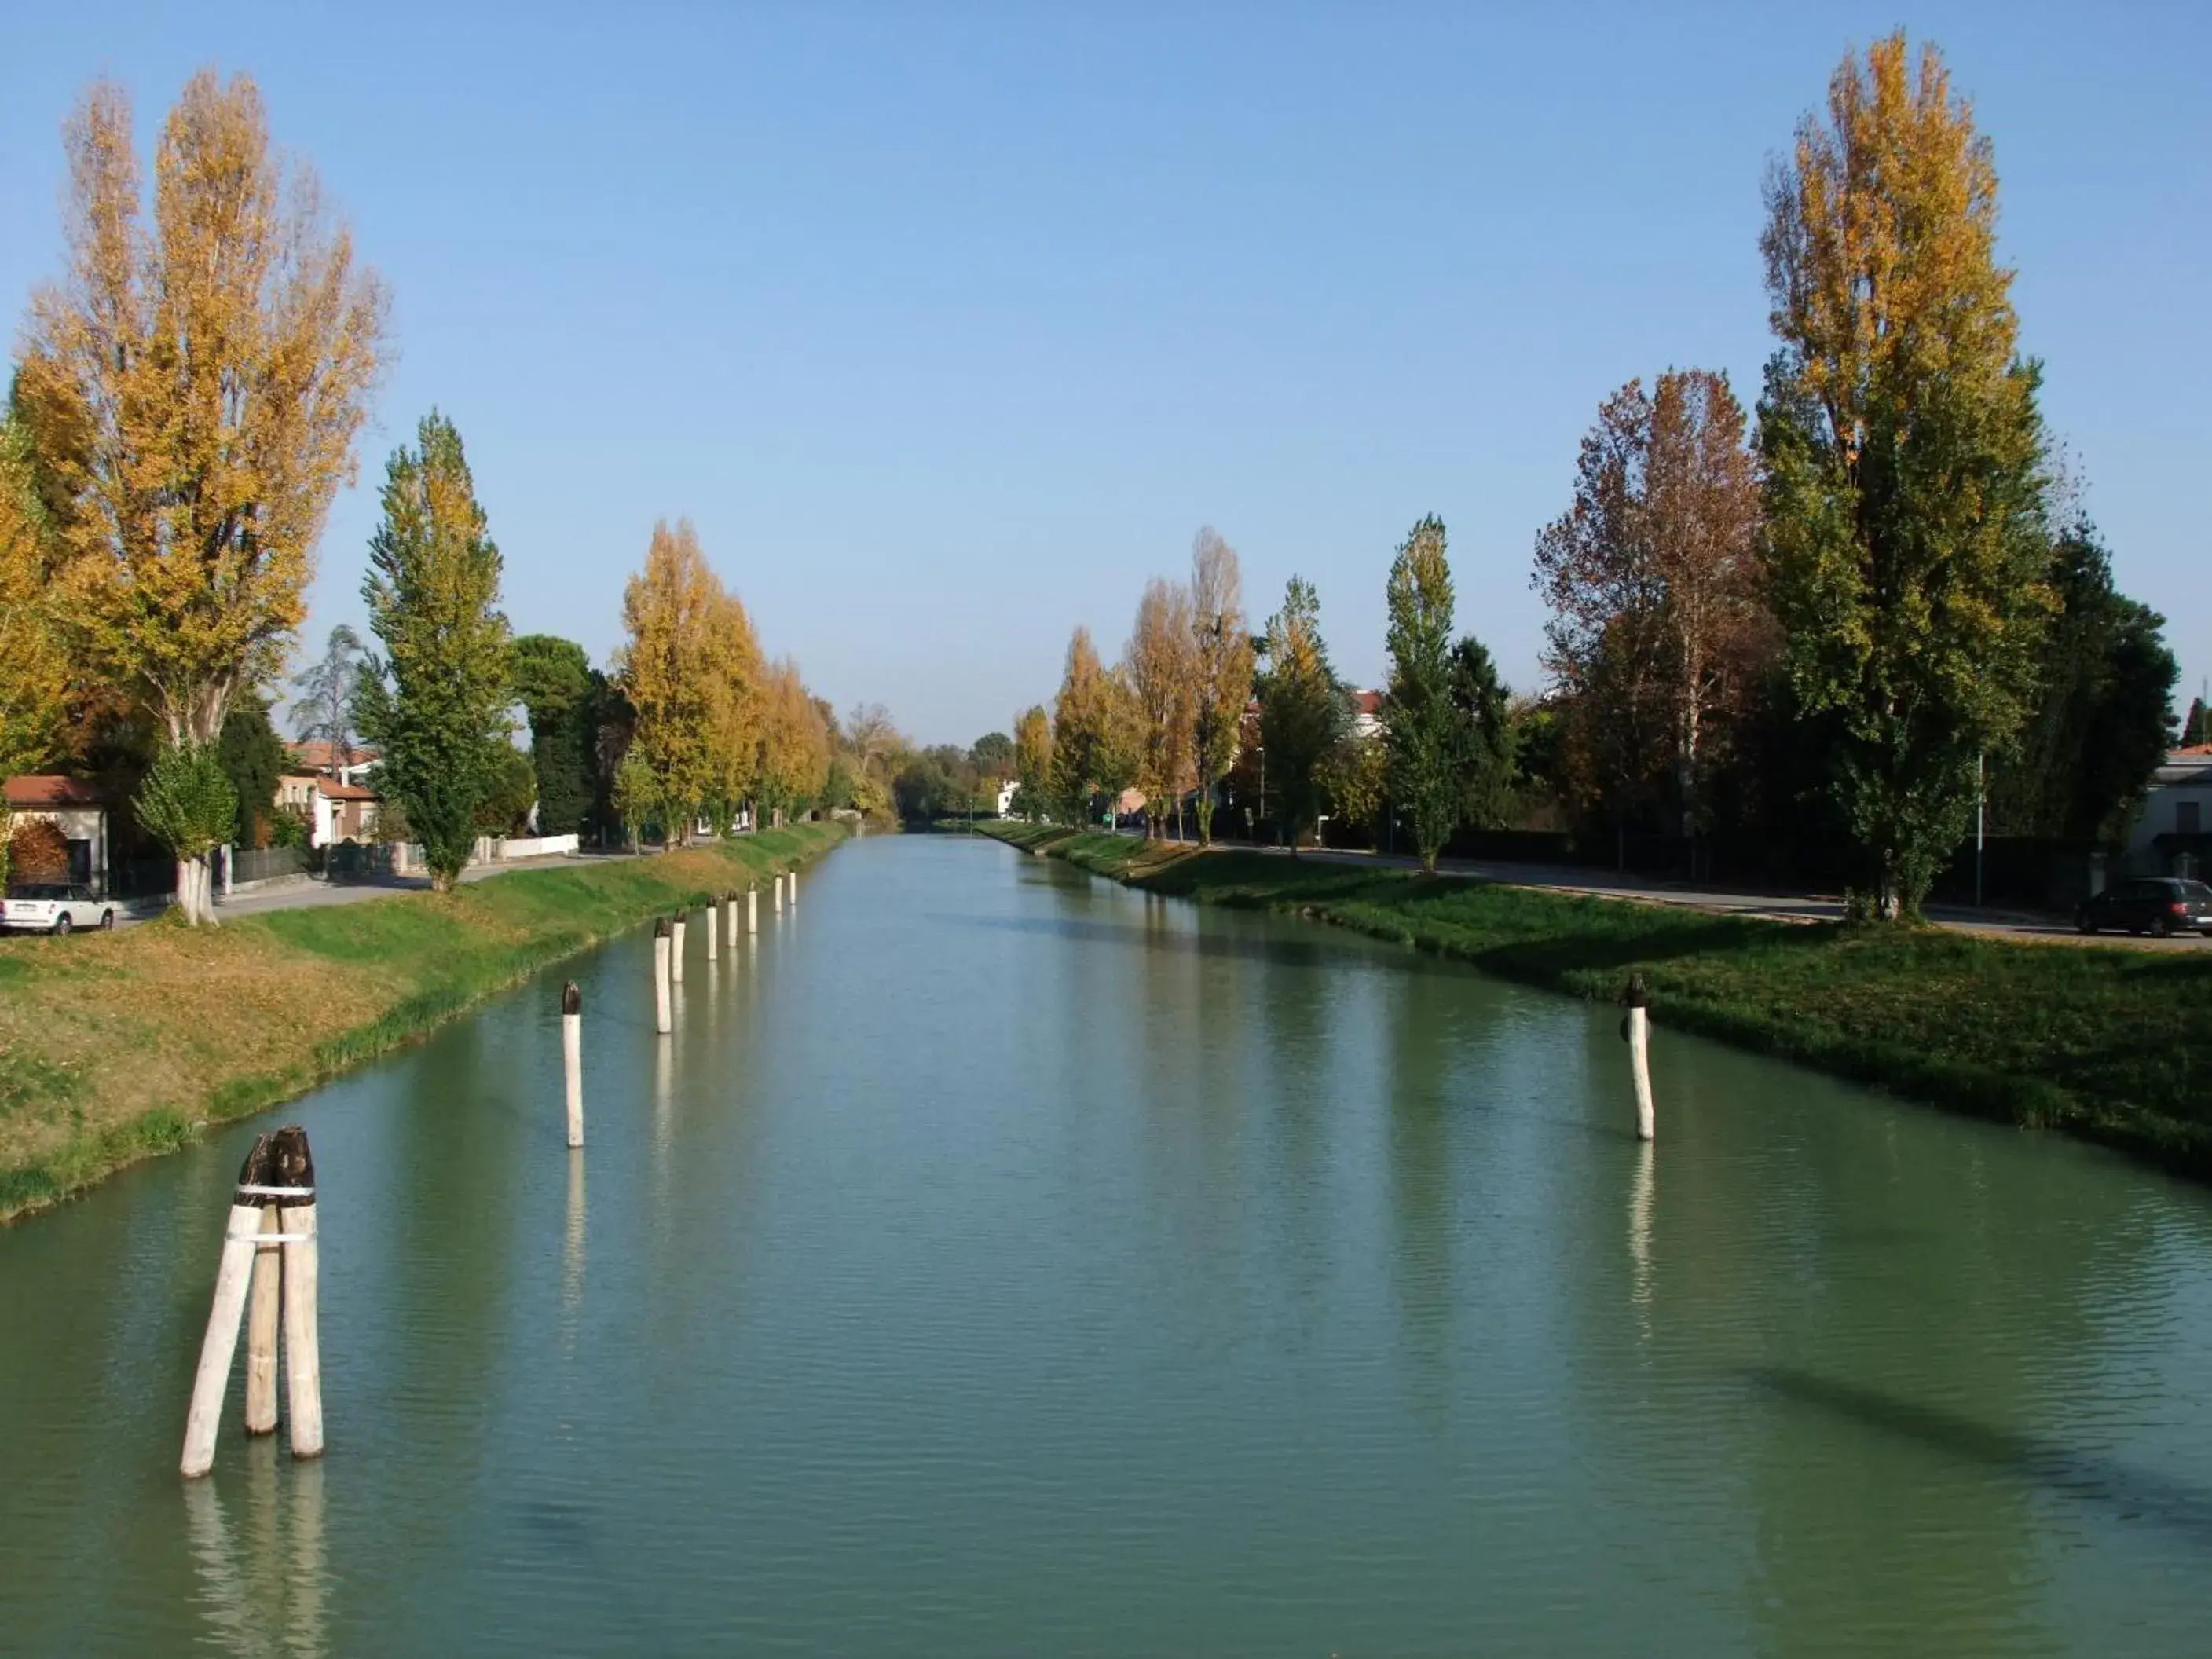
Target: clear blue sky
948, 325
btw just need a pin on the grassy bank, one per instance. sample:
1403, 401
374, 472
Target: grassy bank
115, 1047
2112, 1045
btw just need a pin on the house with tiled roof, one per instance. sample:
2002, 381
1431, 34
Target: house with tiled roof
74, 807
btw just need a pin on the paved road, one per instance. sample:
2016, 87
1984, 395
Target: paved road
1735, 901
313, 893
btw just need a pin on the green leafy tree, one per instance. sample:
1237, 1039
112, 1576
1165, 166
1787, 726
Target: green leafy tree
1425, 740
1904, 463
1302, 715
510, 791
554, 682
1355, 778
252, 757
993, 755
2196, 730
1488, 758
187, 803
2104, 713
434, 703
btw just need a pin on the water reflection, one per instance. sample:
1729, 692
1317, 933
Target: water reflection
572, 1255
261, 1587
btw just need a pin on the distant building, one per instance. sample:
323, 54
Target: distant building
334, 811
314, 756
1366, 715
2175, 820
1006, 792
72, 806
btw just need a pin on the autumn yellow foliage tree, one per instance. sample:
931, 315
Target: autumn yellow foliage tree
1160, 661
690, 667
1906, 479
194, 387
1221, 666
34, 668
1033, 763
794, 761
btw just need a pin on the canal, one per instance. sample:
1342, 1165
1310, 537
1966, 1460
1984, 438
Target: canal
999, 1261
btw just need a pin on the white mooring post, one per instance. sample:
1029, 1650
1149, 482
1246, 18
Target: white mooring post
661, 1022
676, 949
730, 919
303, 1353
572, 1057
713, 932
263, 1307
779, 892
753, 908
1636, 1027
234, 1272
273, 1210
795, 890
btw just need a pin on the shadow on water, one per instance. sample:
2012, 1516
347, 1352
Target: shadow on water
2049, 1464
1323, 952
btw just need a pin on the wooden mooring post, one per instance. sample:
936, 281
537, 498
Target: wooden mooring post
271, 1211
1636, 1027
662, 1021
572, 1057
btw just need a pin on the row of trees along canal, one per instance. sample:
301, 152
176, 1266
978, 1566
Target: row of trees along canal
183, 410
1798, 645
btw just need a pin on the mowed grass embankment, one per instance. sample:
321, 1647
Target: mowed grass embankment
117, 1046
2112, 1045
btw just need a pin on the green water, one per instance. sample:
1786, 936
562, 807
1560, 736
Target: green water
1000, 1262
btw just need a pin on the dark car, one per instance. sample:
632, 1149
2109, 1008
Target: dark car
2157, 904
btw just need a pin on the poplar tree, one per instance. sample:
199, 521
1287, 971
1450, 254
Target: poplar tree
795, 743
672, 611
1033, 762
1221, 666
1078, 731
194, 390
1904, 462
1159, 663
434, 702
35, 666
1302, 715
1425, 740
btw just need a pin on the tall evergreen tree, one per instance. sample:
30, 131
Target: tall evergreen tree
252, 757
1905, 455
2104, 709
553, 681
323, 711
2195, 729
1487, 755
1302, 715
1425, 739
434, 703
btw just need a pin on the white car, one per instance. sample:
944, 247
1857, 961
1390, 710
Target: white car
53, 907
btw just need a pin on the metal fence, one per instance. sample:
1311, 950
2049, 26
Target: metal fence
266, 863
